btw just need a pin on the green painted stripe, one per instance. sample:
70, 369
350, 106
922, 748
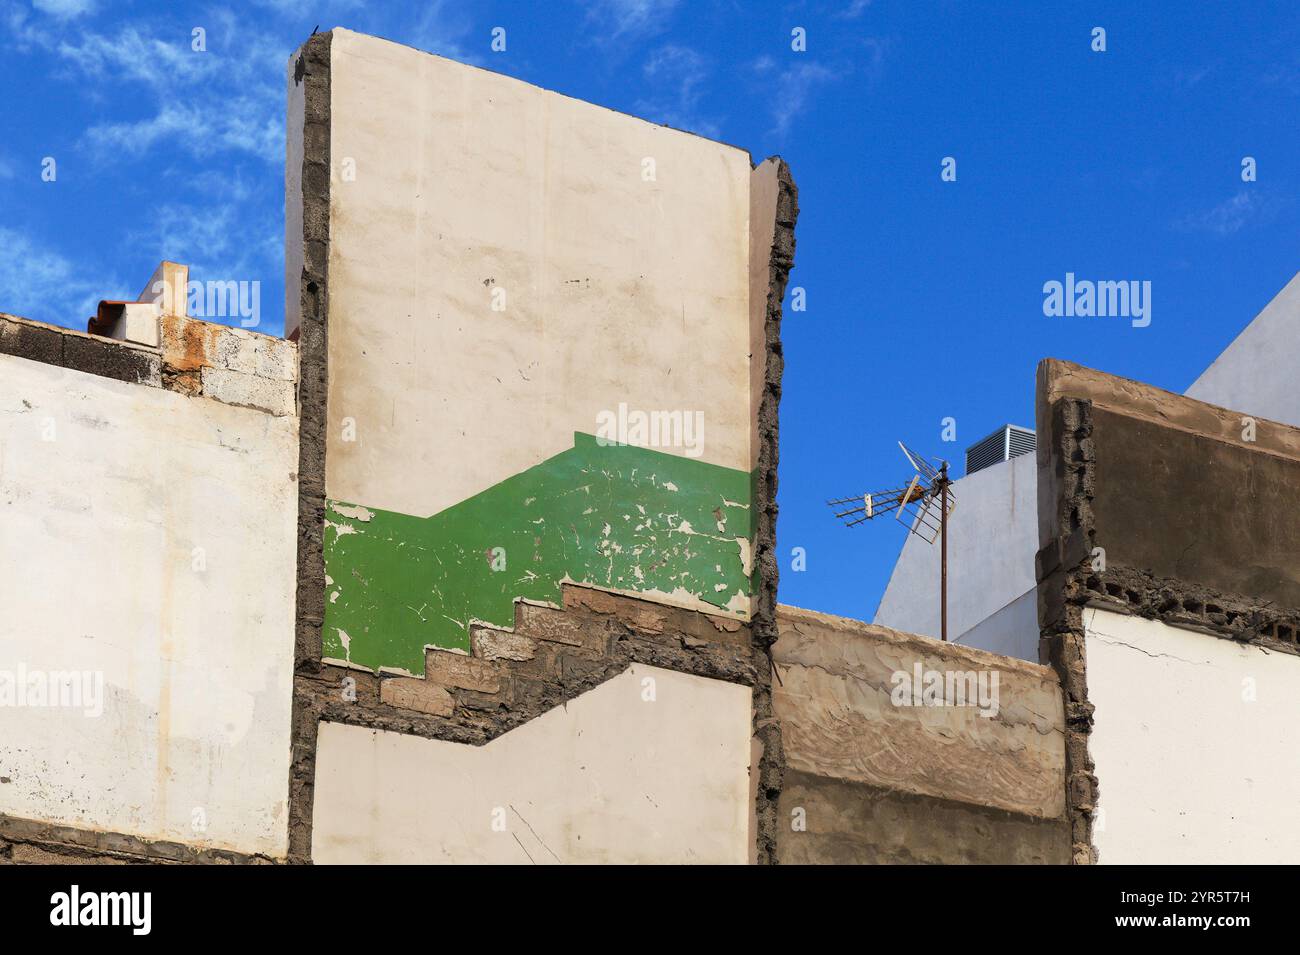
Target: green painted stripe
613, 516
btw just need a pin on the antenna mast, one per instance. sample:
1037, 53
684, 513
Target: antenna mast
926, 500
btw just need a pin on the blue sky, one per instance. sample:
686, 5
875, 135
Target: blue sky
924, 297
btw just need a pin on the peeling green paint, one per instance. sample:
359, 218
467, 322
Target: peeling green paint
614, 516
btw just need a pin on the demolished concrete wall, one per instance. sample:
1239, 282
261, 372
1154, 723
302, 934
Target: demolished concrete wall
521, 287
1157, 506
901, 748
540, 349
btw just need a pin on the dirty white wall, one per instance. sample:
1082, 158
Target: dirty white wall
506, 263
148, 538
1194, 745
610, 777
993, 535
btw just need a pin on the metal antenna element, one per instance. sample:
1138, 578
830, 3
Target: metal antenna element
923, 504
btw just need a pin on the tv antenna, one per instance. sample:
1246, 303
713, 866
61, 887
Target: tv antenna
923, 504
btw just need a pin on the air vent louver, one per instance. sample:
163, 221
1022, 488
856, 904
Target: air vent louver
1003, 444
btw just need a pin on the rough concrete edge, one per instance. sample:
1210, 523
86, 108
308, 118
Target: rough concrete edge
767, 729
1177, 603
193, 364
80, 351
127, 362
97, 846
860, 629
482, 717
1053, 826
1135, 399
820, 651
76, 333
1066, 474
312, 67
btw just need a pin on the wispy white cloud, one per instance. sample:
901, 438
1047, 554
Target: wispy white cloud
64, 9
853, 10
875, 50
228, 97
1188, 79
23, 31
1285, 76
796, 83
794, 89
225, 101
630, 17
211, 234
206, 129
37, 282
295, 7
442, 28
674, 76
240, 125
129, 55
1248, 207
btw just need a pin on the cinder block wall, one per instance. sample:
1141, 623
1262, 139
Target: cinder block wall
1169, 596
904, 749
499, 292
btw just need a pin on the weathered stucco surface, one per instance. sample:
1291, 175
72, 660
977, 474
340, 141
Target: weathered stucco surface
1201, 509
764, 210
147, 537
856, 824
1158, 506
834, 698
1062, 379
473, 189
514, 269
490, 275
611, 777
872, 774
623, 518
1194, 745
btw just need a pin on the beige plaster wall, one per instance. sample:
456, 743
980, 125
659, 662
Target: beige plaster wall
452, 184
613, 776
841, 719
763, 191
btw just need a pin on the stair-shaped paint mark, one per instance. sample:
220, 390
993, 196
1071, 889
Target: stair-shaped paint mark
612, 516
